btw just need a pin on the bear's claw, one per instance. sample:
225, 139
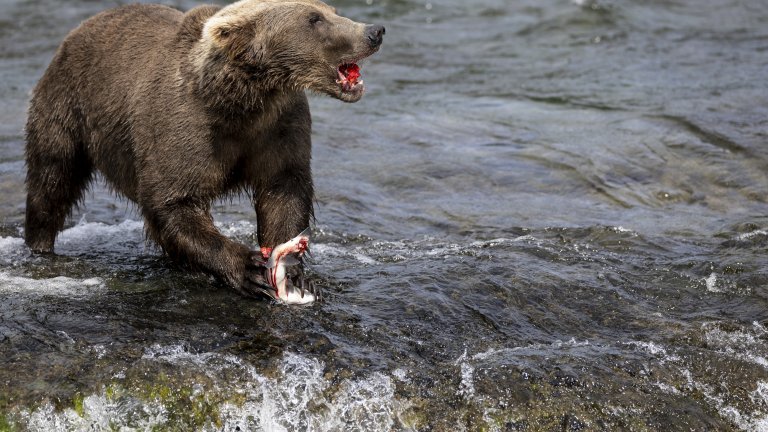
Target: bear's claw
298, 288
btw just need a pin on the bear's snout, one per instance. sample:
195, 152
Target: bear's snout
375, 35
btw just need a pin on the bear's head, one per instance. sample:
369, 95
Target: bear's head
268, 45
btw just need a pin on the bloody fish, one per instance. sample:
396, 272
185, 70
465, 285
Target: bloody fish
282, 256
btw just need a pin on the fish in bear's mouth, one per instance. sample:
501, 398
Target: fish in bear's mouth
349, 78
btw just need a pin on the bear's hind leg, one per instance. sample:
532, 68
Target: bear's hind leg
58, 172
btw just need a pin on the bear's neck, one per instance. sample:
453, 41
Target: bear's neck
232, 92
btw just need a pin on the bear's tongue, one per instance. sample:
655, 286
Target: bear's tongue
351, 72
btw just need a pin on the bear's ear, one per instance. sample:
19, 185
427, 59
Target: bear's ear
223, 32
194, 21
219, 29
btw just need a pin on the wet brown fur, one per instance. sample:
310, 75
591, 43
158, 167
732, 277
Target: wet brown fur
178, 109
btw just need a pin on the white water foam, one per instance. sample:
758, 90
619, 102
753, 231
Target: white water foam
99, 413
401, 375
743, 345
750, 235
467, 385
59, 286
760, 395
128, 234
749, 422
654, 349
468, 362
298, 397
718, 284
241, 228
379, 252
323, 250
621, 229
286, 403
711, 283
12, 250
535, 349
10, 244
746, 345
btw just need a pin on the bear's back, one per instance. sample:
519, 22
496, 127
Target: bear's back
119, 41
104, 74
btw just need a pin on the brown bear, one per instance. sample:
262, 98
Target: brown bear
176, 109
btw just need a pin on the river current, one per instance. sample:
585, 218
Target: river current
545, 215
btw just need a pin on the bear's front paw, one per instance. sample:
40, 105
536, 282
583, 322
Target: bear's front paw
255, 282
292, 287
300, 288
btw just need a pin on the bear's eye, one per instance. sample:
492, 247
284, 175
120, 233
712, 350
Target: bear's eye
315, 18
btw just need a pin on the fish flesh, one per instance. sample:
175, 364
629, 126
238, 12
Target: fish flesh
282, 256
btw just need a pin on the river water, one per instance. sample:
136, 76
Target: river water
545, 215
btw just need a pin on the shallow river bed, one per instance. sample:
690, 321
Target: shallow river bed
544, 215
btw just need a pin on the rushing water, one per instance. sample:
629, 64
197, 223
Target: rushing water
544, 215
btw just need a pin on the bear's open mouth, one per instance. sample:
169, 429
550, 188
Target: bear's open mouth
349, 78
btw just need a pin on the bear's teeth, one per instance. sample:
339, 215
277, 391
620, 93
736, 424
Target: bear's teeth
347, 85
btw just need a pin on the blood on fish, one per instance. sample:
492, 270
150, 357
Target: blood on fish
266, 252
